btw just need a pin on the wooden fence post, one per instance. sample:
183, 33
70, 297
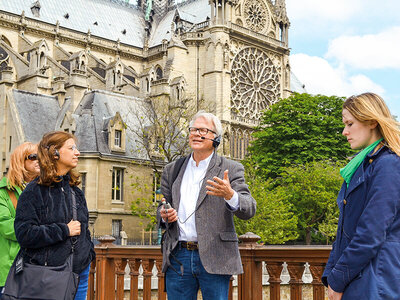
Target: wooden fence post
105, 270
250, 282
317, 269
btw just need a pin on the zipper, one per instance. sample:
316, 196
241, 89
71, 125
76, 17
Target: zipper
47, 255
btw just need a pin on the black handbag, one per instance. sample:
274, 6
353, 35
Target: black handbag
26, 281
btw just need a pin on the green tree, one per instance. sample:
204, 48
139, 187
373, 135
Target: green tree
144, 206
274, 221
311, 189
296, 130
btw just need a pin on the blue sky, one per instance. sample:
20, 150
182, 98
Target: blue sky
346, 47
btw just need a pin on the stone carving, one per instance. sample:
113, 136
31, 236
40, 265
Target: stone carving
3, 60
256, 15
3, 55
255, 85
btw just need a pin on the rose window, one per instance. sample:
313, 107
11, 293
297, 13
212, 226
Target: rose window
256, 15
255, 85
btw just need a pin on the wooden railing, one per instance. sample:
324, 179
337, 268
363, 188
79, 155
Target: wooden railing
106, 279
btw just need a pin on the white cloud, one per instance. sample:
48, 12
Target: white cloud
371, 51
320, 77
361, 83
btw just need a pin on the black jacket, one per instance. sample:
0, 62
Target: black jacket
41, 229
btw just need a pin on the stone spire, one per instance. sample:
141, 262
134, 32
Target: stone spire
280, 12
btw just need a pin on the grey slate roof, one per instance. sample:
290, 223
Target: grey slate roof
163, 30
41, 113
111, 16
195, 11
296, 85
93, 115
37, 113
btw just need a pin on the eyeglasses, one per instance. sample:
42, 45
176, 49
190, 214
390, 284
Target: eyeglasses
201, 131
32, 157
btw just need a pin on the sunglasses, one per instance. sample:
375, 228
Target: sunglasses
32, 157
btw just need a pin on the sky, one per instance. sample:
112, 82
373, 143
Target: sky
347, 47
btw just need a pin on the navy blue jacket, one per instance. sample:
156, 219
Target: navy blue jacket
41, 229
365, 259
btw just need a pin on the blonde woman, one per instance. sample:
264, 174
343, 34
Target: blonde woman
23, 168
365, 259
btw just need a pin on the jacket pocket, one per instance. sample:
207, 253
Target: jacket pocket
228, 236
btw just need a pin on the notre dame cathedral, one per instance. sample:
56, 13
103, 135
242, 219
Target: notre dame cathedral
81, 66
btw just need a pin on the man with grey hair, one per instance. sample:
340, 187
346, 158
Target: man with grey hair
204, 191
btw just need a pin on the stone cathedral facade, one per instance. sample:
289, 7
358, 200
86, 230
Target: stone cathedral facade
82, 66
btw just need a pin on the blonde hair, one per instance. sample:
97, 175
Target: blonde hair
16, 172
369, 107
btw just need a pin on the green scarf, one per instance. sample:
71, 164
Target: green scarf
348, 171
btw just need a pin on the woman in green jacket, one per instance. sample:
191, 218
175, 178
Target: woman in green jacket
24, 167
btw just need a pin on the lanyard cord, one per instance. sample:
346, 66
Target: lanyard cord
200, 183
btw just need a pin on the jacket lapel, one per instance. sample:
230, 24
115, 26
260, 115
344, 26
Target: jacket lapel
213, 170
359, 175
176, 186
356, 180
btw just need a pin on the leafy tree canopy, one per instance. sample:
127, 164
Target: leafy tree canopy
274, 221
299, 129
311, 189
298, 205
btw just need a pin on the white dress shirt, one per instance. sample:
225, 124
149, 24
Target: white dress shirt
190, 188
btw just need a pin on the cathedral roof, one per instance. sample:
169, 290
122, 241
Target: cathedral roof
31, 109
93, 115
110, 19
296, 85
91, 118
163, 29
193, 11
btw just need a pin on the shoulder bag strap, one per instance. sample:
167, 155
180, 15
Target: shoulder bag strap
12, 197
74, 212
74, 239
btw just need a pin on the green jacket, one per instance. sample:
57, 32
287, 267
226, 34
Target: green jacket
9, 246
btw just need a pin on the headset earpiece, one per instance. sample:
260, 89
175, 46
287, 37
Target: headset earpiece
56, 154
216, 141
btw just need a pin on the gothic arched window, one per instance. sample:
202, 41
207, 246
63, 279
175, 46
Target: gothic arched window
159, 73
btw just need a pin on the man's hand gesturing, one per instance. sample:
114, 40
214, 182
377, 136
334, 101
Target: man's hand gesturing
220, 187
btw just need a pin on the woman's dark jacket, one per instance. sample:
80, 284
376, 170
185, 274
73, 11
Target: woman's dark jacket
43, 213
365, 259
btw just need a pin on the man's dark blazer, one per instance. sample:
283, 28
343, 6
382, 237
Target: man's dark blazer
217, 239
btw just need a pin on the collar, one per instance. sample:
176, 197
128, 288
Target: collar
203, 163
3, 182
373, 155
63, 181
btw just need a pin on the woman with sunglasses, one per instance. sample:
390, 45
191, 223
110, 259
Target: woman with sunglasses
44, 224
23, 168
